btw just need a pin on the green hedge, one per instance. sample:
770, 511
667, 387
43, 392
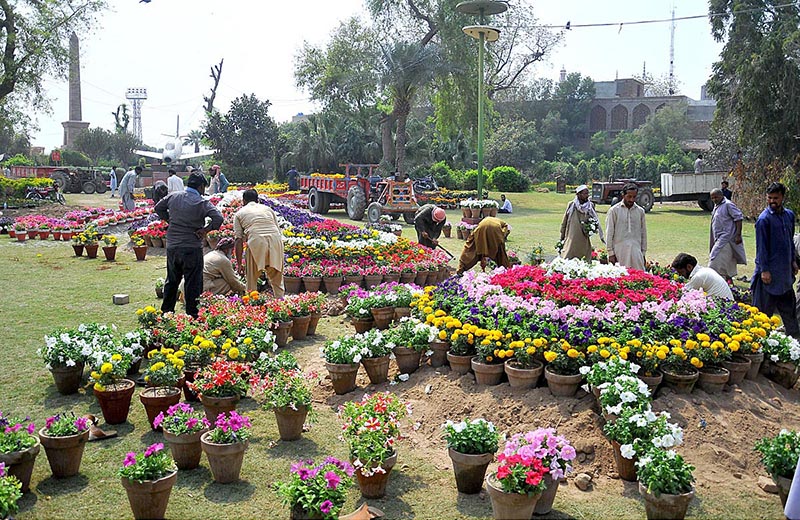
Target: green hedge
508, 178
15, 188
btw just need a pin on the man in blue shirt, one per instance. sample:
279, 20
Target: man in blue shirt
776, 264
186, 213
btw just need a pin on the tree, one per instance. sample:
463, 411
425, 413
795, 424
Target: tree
669, 123
34, 37
95, 143
659, 86
14, 137
245, 136
514, 143
194, 138
572, 99
122, 146
121, 118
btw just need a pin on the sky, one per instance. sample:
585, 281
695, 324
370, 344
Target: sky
168, 47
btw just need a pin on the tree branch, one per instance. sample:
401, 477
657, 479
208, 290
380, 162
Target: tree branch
216, 74
433, 29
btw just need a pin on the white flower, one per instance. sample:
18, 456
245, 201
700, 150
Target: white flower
357, 358
459, 427
774, 358
627, 397
584, 370
616, 410
627, 451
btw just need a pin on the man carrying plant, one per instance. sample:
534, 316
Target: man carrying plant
626, 231
219, 276
186, 213
257, 225
429, 221
776, 263
126, 187
487, 241
726, 248
579, 219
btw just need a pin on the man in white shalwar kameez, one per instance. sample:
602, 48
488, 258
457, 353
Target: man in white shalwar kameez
626, 231
726, 248
258, 226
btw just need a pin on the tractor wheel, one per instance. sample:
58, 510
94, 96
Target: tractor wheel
61, 181
88, 187
395, 216
706, 204
374, 212
100, 187
356, 203
326, 202
409, 217
645, 199
315, 201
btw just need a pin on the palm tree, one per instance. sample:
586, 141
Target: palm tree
195, 137
407, 67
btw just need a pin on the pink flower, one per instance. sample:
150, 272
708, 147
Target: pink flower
159, 419
191, 422
326, 507
130, 459
82, 423
333, 479
49, 422
2, 469
153, 448
31, 428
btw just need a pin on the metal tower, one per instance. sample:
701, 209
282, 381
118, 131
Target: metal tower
137, 97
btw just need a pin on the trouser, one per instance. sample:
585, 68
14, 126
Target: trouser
501, 210
183, 263
785, 304
127, 202
252, 273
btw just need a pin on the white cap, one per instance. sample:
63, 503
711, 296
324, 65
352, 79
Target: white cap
581, 188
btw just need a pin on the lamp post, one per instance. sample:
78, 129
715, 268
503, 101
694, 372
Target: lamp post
482, 33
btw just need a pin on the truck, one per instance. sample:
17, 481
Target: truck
675, 187
66, 178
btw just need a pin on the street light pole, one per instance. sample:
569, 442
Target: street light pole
480, 114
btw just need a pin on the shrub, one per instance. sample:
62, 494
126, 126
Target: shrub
508, 178
779, 454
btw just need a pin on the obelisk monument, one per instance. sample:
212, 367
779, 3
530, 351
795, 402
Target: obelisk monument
74, 126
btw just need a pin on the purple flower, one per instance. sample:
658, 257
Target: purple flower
31, 428
303, 473
568, 452
153, 448
333, 479
49, 422
159, 419
2, 469
82, 423
130, 459
191, 422
326, 507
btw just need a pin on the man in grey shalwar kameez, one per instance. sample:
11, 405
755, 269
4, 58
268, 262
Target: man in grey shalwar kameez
574, 236
726, 248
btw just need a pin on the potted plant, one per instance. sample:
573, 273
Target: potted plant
64, 354
523, 370
371, 428
18, 448
278, 316
182, 427
665, 483
557, 454
220, 386
148, 479
112, 390
139, 247
162, 378
680, 373
285, 392
359, 310
409, 339
44, 231
316, 490
518, 482
21, 232
225, 446
109, 247
342, 357
624, 392
133, 344
471, 445
64, 437
10, 493
90, 239
375, 348
562, 371
782, 357
159, 288
779, 456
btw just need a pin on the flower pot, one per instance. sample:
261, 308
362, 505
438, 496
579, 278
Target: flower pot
91, 250
407, 359
652, 381
738, 367
186, 450
213, 406
665, 506
157, 400
291, 284
459, 233
470, 470
680, 383
486, 373
57, 235
312, 323
475, 212
712, 379
20, 464
21, 236
32, 233
374, 486
78, 249
12, 233
189, 394
66, 236
157, 242
784, 485
282, 331
312, 283
148, 240
545, 503
140, 252
407, 277
300, 327
298, 513
391, 277
565, 386
626, 468
466, 212
290, 422
44, 235
459, 364
383, 317
785, 374
343, 376
149, 499
362, 325
377, 369
115, 401
225, 459
110, 252
446, 230
439, 355
332, 284
64, 454
353, 279
401, 312
67, 379
510, 506
421, 278
159, 292
755, 364
523, 377
372, 280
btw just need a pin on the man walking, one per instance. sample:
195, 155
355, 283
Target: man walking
112, 177
174, 183
126, 188
776, 262
291, 177
726, 249
698, 164
626, 231
574, 234
429, 221
186, 212
703, 278
257, 225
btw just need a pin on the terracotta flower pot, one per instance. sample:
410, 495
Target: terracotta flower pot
401, 312
755, 364
91, 250
140, 252
32, 233
353, 279
67, 379
312, 283
20, 464
421, 278
57, 235
343, 377
383, 317
439, 356
712, 379
115, 401
300, 327
290, 422
407, 359
738, 367
391, 277
362, 325
213, 406
291, 284
652, 381
110, 253
523, 377
64, 454
470, 470
487, 373
475, 212
225, 459
377, 369
784, 374
626, 468
157, 242
784, 486
188, 376
372, 280
560, 385
157, 400
510, 506
545, 503
186, 450
460, 364
149, 499
78, 249
332, 284
446, 230
282, 331
680, 383
312, 324
665, 506
44, 235
374, 486
407, 277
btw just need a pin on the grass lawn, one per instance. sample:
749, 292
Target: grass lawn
46, 286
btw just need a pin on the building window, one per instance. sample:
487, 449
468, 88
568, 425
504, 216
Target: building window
619, 118
640, 114
597, 119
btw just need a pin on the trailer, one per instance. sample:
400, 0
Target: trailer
66, 179
675, 187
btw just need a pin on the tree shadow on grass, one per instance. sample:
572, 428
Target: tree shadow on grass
194, 478
290, 449
52, 486
239, 491
28, 501
57, 401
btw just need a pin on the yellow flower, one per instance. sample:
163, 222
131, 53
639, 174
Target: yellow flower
157, 366
116, 357
530, 351
248, 341
573, 353
233, 353
442, 334
96, 375
216, 333
678, 351
99, 387
106, 368
592, 349
696, 362
550, 356
605, 353
139, 312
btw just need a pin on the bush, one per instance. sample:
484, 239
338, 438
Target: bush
443, 174
465, 180
243, 174
18, 160
74, 158
508, 178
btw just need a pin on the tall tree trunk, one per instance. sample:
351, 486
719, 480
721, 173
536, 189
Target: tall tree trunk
386, 139
400, 139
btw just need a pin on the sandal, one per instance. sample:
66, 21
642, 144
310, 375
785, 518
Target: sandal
95, 433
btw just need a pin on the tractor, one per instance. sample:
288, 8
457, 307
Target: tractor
611, 192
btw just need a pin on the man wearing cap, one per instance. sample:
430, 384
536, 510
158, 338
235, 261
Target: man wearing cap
219, 276
126, 187
574, 235
175, 183
429, 221
257, 225
626, 231
505, 205
186, 212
